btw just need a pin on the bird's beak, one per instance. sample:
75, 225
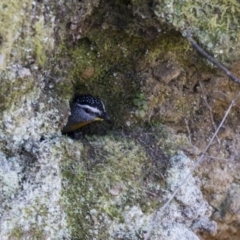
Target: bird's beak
105, 117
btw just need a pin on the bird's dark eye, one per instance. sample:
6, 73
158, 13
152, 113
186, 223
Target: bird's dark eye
87, 110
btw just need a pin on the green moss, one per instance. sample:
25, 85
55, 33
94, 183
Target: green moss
17, 233
111, 54
113, 174
109, 178
15, 89
117, 59
35, 233
27, 37
11, 18
213, 23
107, 51
40, 48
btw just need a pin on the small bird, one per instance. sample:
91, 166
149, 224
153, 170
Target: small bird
84, 110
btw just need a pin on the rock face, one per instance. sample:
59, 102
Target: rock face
183, 217
110, 181
30, 204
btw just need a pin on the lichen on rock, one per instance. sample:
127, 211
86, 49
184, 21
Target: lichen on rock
214, 23
109, 181
33, 206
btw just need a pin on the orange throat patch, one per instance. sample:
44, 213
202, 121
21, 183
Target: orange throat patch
73, 127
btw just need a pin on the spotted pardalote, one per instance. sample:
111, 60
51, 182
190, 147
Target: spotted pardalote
84, 110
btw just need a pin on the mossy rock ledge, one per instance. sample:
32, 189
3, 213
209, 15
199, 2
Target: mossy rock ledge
108, 181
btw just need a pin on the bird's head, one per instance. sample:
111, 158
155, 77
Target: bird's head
85, 109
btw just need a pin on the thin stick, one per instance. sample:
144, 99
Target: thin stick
209, 109
189, 132
200, 159
212, 59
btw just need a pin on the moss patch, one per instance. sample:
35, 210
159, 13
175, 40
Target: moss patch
11, 18
214, 23
115, 173
109, 64
108, 178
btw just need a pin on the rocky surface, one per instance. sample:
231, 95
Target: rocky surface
109, 181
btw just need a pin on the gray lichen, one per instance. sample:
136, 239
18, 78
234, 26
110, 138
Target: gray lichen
34, 204
176, 221
108, 186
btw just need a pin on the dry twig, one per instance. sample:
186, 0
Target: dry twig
189, 132
212, 59
209, 109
